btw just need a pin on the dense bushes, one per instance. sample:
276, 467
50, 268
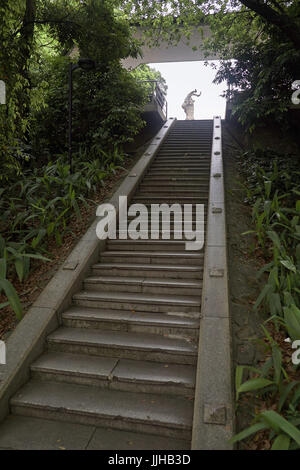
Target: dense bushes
36, 38
106, 108
37, 208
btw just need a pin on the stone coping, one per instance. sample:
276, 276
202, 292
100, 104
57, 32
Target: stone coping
213, 411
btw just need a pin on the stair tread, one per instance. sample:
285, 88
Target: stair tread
27, 433
144, 281
147, 266
151, 254
114, 369
162, 410
117, 339
139, 297
85, 313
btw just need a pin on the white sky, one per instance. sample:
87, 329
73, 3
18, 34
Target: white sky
183, 77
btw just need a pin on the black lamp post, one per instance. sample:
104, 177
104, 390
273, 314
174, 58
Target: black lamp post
84, 64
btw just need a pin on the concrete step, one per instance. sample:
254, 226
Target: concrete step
170, 186
178, 144
189, 138
176, 187
170, 162
171, 192
26, 433
165, 233
169, 200
156, 198
165, 271
201, 180
123, 344
200, 152
136, 301
186, 135
115, 374
146, 257
143, 285
178, 161
180, 166
146, 413
187, 143
185, 150
179, 173
184, 147
149, 245
126, 320
182, 160
182, 173
200, 155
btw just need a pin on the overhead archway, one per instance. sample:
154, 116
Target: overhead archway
183, 51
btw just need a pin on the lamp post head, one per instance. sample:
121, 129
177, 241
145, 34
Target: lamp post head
86, 64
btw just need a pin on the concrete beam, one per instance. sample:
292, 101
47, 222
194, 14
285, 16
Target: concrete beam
165, 52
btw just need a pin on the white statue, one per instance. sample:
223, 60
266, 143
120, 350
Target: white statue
188, 105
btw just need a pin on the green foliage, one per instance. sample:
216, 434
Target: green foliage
284, 432
34, 64
12, 124
37, 208
273, 184
106, 108
7, 287
272, 379
276, 215
144, 73
260, 78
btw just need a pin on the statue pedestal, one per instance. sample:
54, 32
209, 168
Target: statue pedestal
189, 111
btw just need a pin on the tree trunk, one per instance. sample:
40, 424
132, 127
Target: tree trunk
26, 43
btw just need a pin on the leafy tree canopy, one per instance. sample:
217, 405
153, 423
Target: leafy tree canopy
258, 41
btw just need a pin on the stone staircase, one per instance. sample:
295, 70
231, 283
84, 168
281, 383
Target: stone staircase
124, 357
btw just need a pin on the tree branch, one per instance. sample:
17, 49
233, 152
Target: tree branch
283, 21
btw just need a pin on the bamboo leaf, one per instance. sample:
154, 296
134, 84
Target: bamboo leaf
254, 384
247, 432
278, 423
12, 297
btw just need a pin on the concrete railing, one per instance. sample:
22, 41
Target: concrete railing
157, 96
213, 412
